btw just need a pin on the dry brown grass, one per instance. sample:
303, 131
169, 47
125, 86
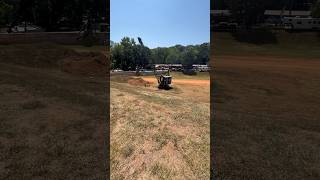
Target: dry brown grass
267, 118
159, 134
51, 123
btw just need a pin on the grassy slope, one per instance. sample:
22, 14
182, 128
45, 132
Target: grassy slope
267, 110
80, 48
159, 134
51, 122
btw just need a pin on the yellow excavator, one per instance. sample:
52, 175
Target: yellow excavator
164, 79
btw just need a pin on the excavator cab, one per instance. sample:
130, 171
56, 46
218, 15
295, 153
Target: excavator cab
164, 80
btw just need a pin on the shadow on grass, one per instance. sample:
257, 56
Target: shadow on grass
258, 37
165, 88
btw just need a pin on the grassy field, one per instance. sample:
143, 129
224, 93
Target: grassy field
158, 134
80, 48
51, 122
266, 100
281, 44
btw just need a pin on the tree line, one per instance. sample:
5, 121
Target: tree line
251, 12
51, 15
269, 4
128, 54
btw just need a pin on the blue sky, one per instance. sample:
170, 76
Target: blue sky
161, 23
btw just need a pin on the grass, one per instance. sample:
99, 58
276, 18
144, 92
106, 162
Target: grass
127, 151
50, 118
80, 48
165, 136
159, 126
288, 45
161, 171
35, 104
265, 118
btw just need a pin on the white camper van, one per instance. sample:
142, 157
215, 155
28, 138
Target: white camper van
301, 23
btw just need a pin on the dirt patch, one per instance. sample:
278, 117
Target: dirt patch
139, 82
94, 64
182, 81
52, 56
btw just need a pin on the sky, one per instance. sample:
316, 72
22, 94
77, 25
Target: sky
161, 23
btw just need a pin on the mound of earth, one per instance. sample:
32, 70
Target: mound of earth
43, 55
138, 82
93, 64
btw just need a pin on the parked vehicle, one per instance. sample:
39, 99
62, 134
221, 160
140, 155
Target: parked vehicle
117, 70
300, 23
21, 28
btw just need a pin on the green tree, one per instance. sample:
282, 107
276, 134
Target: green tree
129, 55
143, 54
316, 10
189, 56
247, 12
53, 14
203, 53
174, 56
160, 55
6, 11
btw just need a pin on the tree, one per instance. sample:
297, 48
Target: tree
128, 55
316, 10
5, 13
174, 56
54, 14
160, 55
247, 12
143, 54
204, 53
189, 56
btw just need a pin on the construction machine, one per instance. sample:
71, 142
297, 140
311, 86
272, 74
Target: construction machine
164, 79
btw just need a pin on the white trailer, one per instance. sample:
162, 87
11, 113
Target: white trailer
301, 23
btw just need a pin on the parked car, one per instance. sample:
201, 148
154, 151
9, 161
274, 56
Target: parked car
300, 23
30, 28
117, 70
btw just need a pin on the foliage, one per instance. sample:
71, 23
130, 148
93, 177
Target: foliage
178, 54
5, 13
316, 10
129, 55
54, 14
247, 12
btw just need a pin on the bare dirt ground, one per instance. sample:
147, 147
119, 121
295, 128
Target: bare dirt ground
267, 117
51, 122
158, 134
182, 81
